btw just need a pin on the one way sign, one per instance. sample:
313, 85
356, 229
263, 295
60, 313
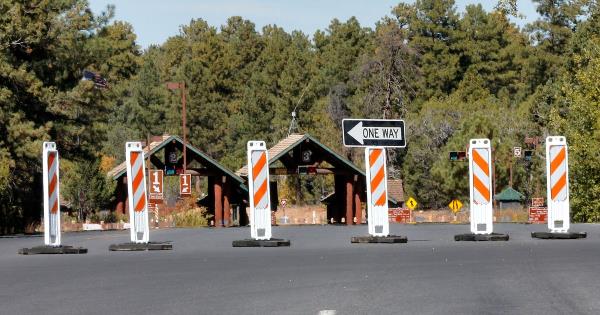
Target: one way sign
374, 133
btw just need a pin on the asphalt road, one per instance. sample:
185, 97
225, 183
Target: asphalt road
204, 274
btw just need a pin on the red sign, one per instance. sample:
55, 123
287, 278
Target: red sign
399, 215
185, 184
155, 192
537, 202
538, 215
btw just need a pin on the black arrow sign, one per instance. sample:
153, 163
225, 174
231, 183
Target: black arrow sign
373, 133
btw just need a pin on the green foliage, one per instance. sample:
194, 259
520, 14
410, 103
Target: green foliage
580, 123
451, 75
195, 217
86, 187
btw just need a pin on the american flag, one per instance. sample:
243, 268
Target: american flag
99, 81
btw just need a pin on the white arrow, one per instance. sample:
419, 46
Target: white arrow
360, 133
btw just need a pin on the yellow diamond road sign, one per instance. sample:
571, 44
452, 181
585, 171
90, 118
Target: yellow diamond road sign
411, 203
455, 205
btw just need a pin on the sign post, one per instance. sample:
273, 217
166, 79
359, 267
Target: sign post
185, 181
139, 230
557, 187
260, 199
480, 183
156, 194
375, 135
51, 181
374, 132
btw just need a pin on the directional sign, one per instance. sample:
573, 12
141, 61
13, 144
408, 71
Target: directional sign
373, 132
411, 203
517, 152
537, 202
185, 181
156, 186
455, 205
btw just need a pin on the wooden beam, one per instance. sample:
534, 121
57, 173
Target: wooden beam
218, 192
349, 199
319, 171
157, 162
357, 203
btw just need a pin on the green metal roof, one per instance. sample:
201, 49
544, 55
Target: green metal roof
289, 143
121, 169
509, 194
326, 148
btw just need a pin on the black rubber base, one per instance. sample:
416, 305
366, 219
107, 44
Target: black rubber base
141, 246
469, 237
559, 236
49, 250
274, 242
390, 239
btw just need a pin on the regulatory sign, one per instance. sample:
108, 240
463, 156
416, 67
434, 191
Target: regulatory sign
538, 215
455, 205
411, 203
156, 186
373, 133
517, 152
283, 202
185, 181
537, 202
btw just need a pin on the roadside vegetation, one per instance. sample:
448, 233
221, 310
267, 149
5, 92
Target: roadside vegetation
450, 75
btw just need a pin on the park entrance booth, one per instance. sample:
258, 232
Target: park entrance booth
303, 154
225, 192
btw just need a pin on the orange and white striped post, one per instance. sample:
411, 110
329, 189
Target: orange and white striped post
260, 200
377, 201
136, 187
480, 180
557, 182
51, 194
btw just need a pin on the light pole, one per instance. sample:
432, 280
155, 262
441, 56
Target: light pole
181, 86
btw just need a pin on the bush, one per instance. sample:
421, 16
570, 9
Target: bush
194, 217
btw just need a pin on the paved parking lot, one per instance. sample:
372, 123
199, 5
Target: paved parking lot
431, 274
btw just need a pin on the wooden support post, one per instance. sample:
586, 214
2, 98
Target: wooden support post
218, 191
349, 199
337, 207
357, 204
121, 191
226, 204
